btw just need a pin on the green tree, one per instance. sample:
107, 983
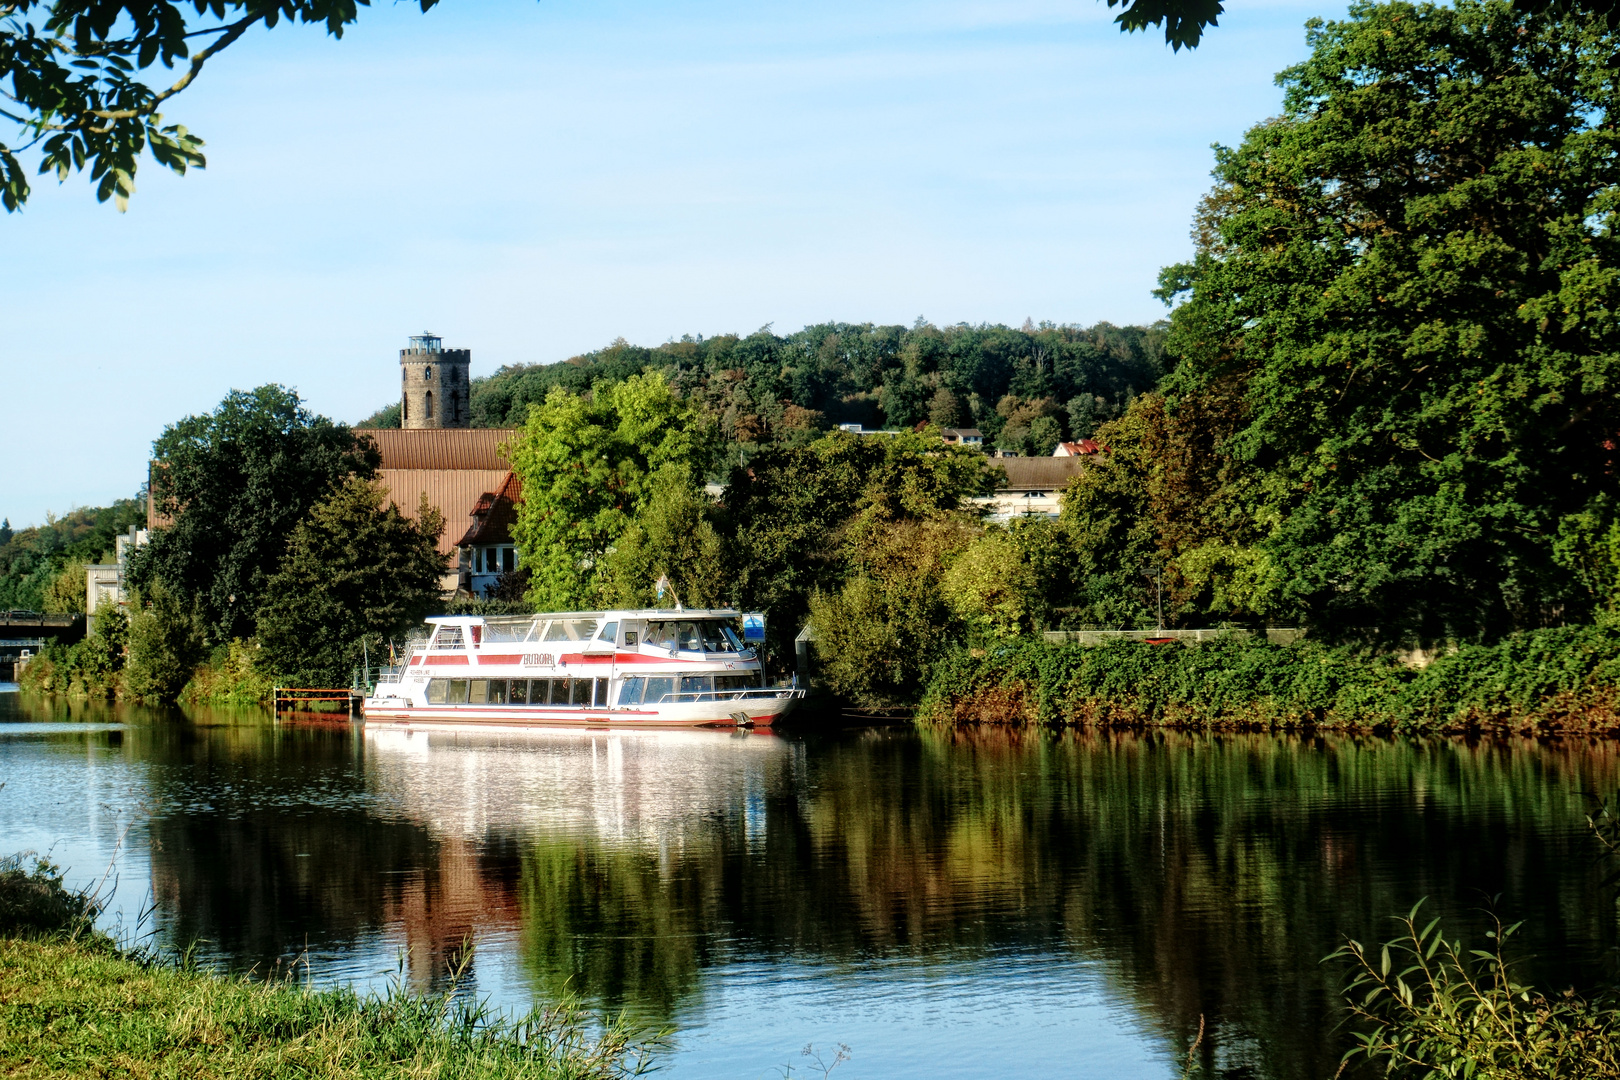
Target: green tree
1400, 322
166, 643
1005, 582
356, 572
879, 635
674, 537
1044, 435
65, 595
589, 465
797, 514
234, 484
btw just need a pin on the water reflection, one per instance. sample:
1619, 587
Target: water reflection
920, 882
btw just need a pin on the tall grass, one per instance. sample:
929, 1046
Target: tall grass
72, 1005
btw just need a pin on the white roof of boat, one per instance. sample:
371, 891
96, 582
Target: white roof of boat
616, 613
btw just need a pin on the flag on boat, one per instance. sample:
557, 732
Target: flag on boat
662, 586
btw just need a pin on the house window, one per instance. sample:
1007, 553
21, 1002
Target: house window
508, 560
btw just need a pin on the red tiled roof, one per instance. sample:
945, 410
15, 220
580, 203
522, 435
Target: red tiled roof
454, 448
495, 514
454, 491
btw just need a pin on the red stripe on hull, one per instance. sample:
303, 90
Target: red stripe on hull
509, 718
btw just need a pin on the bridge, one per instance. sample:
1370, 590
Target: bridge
27, 632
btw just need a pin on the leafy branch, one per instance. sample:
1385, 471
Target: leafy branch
72, 80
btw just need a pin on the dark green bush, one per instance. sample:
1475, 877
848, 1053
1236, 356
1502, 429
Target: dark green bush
34, 902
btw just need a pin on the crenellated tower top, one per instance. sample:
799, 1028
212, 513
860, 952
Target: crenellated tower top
435, 384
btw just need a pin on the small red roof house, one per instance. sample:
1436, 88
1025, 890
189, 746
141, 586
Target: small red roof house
487, 545
1082, 448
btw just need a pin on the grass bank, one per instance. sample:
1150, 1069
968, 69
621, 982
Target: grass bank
1564, 680
72, 1004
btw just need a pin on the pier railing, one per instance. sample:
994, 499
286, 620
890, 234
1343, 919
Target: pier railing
288, 699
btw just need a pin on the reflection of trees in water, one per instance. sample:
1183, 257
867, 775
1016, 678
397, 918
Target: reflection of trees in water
263, 845
1208, 875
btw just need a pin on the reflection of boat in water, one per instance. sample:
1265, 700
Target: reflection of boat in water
645, 786
599, 669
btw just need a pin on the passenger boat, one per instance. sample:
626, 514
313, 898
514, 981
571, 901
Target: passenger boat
652, 668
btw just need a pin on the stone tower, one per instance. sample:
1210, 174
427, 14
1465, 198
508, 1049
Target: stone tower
435, 387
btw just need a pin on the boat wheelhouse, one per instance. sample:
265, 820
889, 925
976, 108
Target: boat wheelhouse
648, 668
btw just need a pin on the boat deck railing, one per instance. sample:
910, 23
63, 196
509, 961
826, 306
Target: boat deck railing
757, 693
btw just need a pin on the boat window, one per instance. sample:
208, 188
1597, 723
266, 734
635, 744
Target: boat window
448, 637
630, 691
697, 688
659, 687
519, 692
581, 692
713, 640
610, 633
478, 692
571, 630
732, 638
458, 692
630, 639
733, 683
497, 691
435, 693
601, 698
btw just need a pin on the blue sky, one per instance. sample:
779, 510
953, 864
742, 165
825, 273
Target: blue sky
532, 180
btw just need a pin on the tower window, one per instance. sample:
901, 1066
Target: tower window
427, 373
430, 405
405, 408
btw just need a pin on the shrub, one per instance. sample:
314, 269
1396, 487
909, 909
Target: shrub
1544, 681
34, 902
165, 645
1431, 1008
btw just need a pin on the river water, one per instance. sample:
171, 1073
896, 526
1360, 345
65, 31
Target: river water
983, 904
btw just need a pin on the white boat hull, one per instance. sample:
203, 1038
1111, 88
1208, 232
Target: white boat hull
753, 712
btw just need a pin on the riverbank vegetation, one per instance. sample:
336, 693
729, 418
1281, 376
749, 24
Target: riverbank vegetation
72, 1003
1560, 680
